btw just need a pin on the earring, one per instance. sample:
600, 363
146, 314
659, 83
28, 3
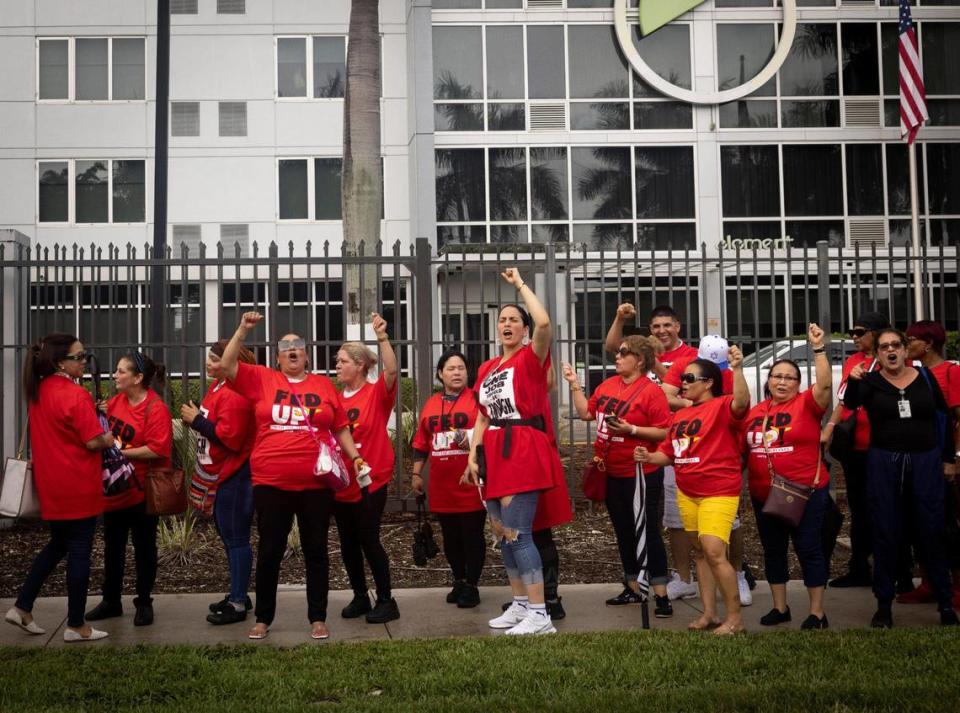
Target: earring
525, 341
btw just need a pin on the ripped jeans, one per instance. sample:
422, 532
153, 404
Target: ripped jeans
513, 524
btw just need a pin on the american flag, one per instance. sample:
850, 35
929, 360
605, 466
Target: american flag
913, 97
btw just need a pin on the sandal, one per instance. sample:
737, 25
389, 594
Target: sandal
257, 633
729, 630
699, 625
318, 632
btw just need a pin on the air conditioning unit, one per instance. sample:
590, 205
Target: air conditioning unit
867, 231
548, 116
865, 113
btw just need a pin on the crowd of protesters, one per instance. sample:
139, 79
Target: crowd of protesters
675, 431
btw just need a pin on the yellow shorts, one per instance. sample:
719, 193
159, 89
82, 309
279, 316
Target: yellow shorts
708, 516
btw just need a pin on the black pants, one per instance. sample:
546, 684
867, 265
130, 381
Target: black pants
807, 542
359, 527
464, 544
619, 501
133, 523
72, 539
275, 510
550, 561
861, 539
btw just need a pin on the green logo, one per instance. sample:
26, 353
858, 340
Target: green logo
654, 14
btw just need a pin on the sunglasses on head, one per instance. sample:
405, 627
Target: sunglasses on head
79, 356
285, 345
858, 332
693, 378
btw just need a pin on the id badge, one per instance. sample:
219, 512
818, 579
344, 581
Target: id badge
904, 408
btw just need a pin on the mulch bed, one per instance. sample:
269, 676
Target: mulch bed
588, 554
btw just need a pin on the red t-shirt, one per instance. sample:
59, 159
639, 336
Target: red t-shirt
445, 430
516, 389
682, 351
233, 416
792, 440
705, 448
285, 452
68, 477
368, 411
639, 404
947, 375
146, 424
861, 435
682, 362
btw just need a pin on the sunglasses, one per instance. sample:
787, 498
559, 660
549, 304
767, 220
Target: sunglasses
624, 352
889, 346
693, 378
79, 356
858, 332
285, 345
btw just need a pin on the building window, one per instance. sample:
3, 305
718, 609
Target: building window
94, 191
91, 69
235, 239
297, 184
184, 118
231, 7
183, 7
322, 77
233, 118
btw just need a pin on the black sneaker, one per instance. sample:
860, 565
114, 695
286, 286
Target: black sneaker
144, 614
385, 610
627, 596
851, 580
814, 622
882, 619
748, 575
105, 610
469, 596
225, 603
663, 609
775, 616
555, 609
358, 606
228, 615
948, 617
454, 594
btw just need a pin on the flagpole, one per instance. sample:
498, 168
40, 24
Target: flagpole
915, 233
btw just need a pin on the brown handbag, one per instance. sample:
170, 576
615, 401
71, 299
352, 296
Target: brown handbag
788, 499
164, 489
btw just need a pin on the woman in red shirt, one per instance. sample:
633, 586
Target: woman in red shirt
703, 447
66, 438
285, 451
443, 441
783, 437
359, 508
630, 411
521, 461
224, 424
142, 426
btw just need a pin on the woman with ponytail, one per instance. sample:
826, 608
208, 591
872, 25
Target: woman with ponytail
65, 439
142, 426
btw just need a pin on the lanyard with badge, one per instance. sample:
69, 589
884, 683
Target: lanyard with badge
903, 406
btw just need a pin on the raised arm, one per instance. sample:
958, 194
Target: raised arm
579, 398
823, 385
741, 392
542, 333
231, 354
388, 357
625, 313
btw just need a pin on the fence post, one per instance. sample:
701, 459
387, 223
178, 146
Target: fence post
823, 295
423, 323
14, 331
550, 278
273, 278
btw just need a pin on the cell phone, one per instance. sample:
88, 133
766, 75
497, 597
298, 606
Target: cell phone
611, 418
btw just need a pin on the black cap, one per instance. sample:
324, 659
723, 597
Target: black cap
872, 321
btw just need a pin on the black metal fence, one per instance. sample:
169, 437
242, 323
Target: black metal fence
757, 299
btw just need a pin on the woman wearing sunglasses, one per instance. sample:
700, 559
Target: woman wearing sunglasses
783, 437
704, 448
359, 508
143, 429
293, 410
907, 413
864, 334
66, 438
630, 411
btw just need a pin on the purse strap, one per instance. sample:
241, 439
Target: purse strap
298, 402
23, 438
766, 451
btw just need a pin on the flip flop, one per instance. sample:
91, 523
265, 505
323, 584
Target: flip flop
729, 630
318, 636
257, 635
708, 627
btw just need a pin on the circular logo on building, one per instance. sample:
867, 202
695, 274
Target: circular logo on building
651, 15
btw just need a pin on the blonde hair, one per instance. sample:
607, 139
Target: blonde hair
361, 354
639, 346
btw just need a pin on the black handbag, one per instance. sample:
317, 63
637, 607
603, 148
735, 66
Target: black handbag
424, 546
844, 438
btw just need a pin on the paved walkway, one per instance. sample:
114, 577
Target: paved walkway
180, 618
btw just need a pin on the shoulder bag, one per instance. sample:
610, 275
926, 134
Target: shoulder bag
788, 499
18, 494
165, 489
424, 546
844, 438
329, 468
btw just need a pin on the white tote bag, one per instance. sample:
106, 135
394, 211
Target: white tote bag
18, 494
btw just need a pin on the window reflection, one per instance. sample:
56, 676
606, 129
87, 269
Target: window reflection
812, 180
742, 51
460, 185
601, 182
811, 67
750, 176
457, 63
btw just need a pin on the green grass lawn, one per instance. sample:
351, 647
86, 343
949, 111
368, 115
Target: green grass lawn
903, 670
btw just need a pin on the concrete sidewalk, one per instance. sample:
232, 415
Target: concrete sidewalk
180, 618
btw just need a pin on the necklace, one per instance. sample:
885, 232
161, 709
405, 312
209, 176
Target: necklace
65, 375
453, 405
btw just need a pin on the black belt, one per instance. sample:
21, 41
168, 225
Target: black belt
508, 424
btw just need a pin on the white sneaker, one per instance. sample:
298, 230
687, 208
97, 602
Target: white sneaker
746, 598
71, 636
534, 623
678, 589
514, 614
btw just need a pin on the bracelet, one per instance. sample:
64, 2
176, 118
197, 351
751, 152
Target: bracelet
576, 388
820, 350
633, 430
521, 286
383, 339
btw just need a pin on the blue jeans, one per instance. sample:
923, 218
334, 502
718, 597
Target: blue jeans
73, 539
233, 515
520, 556
776, 534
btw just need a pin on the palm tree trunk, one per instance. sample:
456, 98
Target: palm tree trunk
362, 194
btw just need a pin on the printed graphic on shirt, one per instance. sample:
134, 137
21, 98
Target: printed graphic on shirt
497, 395
203, 445
683, 438
123, 432
772, 440
291, 410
